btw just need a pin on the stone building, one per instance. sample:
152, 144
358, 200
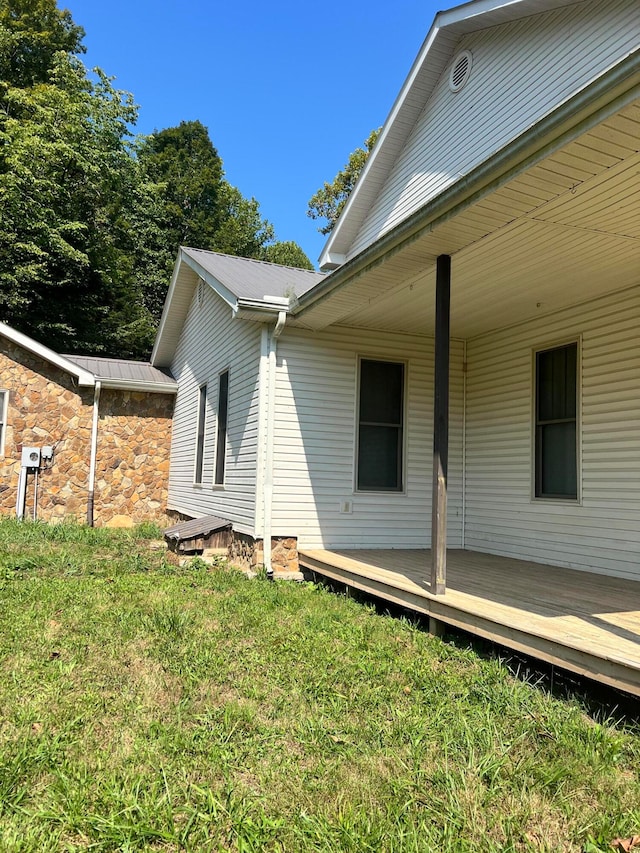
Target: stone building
107, 423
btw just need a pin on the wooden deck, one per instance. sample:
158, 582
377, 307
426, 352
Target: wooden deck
583, 622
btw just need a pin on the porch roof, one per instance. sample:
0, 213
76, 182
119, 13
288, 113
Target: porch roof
555, 225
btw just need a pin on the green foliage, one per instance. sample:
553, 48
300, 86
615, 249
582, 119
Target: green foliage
187, 201
31, 33
242, 231
66, 172
328, 201
175, 203
287, 253
91, 219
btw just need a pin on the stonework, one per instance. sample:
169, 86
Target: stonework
284, 554
245, 552
132, 465
248, 553
47, 408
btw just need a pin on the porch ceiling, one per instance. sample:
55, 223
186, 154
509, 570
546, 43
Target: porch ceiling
563, 232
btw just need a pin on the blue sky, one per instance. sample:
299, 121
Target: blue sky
287, 89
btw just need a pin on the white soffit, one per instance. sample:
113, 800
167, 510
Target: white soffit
565, 231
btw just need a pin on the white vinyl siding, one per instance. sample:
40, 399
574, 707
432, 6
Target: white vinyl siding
211, 341
314, 451
601, 532
521, 72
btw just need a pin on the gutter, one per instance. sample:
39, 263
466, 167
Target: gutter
267, 484
614, 90
268, 304
93, 453
140, 385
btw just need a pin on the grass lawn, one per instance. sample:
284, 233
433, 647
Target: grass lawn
149, 707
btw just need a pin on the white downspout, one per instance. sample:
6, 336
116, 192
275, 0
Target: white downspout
93, 452
263, 397
268, 461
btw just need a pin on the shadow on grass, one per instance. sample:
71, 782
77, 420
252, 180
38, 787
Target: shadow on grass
599, 701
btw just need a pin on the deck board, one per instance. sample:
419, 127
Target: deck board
588, 623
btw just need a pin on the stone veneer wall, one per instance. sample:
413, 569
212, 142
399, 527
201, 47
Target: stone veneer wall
132, 463
248, 553
45, 407
134, 433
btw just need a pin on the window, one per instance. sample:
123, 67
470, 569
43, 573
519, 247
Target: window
556, 451
221, 441
380, 426
202, 419
4, 399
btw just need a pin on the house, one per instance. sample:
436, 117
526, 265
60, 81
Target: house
467, 374
100, 430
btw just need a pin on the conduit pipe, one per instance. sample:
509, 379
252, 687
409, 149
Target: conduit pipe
93, 453
268, 462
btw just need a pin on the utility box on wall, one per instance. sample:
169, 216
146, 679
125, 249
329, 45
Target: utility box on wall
30, 457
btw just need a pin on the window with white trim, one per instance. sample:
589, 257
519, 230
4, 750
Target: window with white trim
202, 421
556, 422
380, 426
221, 439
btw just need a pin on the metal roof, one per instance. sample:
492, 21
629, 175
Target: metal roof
247, 278
252, 289
118, 371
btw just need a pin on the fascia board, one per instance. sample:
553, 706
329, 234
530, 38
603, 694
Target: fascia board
166, 310
169, 318
370, 166
84, 377
472, 10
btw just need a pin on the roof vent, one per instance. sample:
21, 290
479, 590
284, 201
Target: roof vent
460, 70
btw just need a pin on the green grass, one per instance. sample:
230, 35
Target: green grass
149, 707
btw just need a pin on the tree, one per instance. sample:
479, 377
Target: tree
90, 219
187, 201
243, 231
287, 253
185, 162
184, 200
65, 173
31, 33
327, 202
